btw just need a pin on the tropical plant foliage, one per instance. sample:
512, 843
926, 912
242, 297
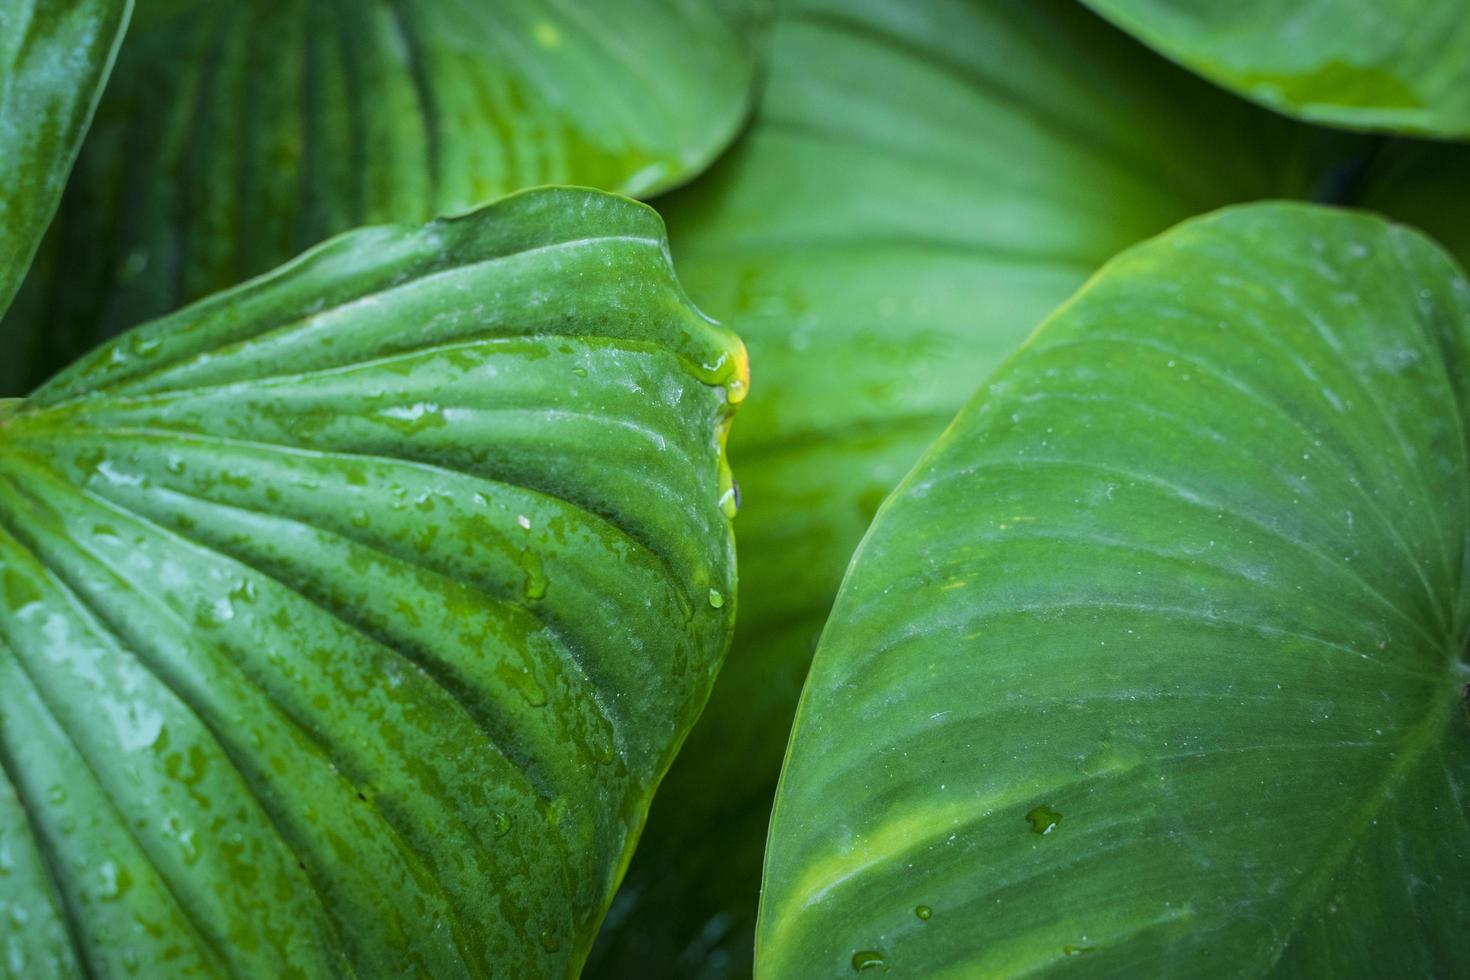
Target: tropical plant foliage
367, 536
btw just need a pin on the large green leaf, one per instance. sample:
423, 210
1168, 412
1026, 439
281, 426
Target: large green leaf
1154, 664
235, 135
1364, 64
923, 183
54, 59
349, 618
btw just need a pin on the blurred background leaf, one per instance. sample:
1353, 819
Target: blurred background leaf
55, 58
1396, 65
234, 135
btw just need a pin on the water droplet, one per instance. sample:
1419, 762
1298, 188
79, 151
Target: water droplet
580, 372
715, 599
115, 881
535, 587
923, 912
548, 941
522, 681
730, 501
502, 824
144, 345
867, 959
1043, 819
213, 613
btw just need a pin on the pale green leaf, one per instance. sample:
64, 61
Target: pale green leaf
1400, 65
1155, 664
349, 618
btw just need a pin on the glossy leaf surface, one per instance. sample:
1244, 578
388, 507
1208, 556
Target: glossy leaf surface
54, 59
350, 618
1155, 663
235, 135
922, 184
1365, 64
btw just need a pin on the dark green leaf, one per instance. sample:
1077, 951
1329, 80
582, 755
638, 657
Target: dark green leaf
350, 618
54, 59
923, 183
1427, 185
235, 135
1155, 664
1364, 64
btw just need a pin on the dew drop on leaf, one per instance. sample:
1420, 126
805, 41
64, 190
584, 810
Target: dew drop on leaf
535, 587
1043, 819
867, 959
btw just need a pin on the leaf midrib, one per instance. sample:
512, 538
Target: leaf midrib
1422, 738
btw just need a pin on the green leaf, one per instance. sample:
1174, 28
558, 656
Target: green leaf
923, 183
54, 59
235, 135
349, 618
1155, 663
1401, 65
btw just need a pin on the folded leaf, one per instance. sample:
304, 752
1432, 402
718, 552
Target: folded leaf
235, 135
349, 618
1399, 65
54, 59
1155, 664
923, 183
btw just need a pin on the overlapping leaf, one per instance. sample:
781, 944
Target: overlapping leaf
923, 183
350, 617
1155, 663
234, 135
54, 59
1365, 64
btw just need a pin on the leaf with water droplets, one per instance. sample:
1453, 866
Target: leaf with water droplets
236, 134
344, 629
1191, 570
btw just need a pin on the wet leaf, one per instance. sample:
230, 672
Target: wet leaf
235, 135
348, 619
1158, 655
